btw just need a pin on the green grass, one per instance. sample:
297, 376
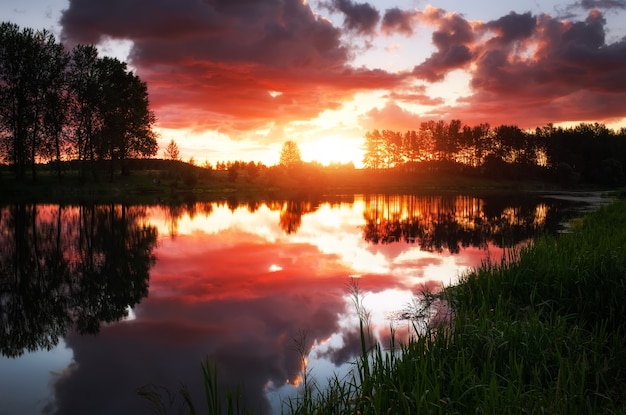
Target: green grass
541, 332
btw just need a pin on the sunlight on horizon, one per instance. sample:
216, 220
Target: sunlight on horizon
333, 136
331, 150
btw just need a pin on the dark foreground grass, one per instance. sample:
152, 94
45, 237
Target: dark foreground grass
542, 331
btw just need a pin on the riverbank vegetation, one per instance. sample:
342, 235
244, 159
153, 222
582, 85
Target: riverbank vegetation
539, 332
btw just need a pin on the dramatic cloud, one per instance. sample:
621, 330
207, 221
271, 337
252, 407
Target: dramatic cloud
512, 27
453, 38
219, 64
238, 67
523, 69
548, 70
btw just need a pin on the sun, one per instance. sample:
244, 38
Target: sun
334, 149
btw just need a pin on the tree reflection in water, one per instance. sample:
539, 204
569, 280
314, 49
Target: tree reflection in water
63, 267
291, 213
436, 223
227, 279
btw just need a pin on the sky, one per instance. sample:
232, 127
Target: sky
235, 79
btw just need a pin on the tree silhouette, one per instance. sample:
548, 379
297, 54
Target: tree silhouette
52, 101
31, 69
66, 267
127, 121
592, 152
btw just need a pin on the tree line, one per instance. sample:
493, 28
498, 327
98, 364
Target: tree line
586, 152
58, 104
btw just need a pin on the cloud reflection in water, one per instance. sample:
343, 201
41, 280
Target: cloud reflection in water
232, 285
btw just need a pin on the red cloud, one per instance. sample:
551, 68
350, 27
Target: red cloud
212, 65
239, 66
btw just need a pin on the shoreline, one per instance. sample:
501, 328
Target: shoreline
158, 186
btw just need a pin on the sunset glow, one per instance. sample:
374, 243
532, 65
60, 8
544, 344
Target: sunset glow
234, 83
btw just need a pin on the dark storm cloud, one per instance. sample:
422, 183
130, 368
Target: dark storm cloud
565, 72
435, 67
280, 34
563, 58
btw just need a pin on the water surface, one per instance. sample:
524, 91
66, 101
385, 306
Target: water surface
99, 303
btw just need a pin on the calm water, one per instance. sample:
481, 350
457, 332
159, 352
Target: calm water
100, 302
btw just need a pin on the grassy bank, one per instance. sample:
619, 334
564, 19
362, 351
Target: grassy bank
541, 332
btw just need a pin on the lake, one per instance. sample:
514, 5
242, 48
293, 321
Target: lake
110, 309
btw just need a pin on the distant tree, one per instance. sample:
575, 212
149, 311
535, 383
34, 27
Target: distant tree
171, 152
392, 149
290, 154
